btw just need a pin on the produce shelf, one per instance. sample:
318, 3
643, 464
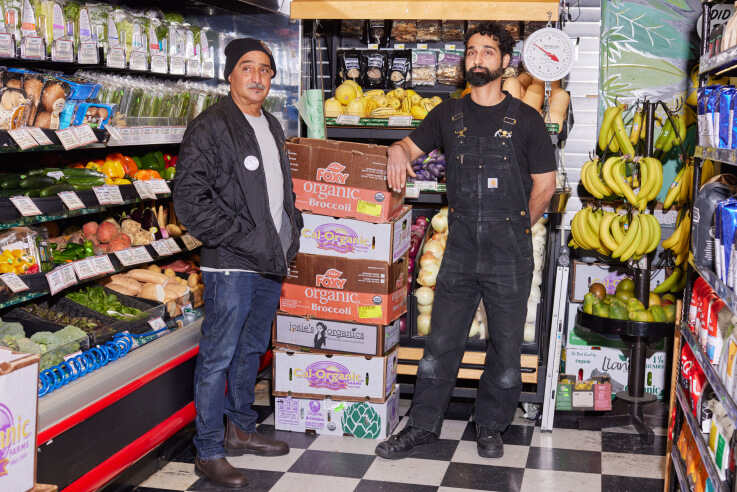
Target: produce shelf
726, 156
724, 292
623, 327
711, 374
7, 144
720, 62
706, 457
367, 132
679, 468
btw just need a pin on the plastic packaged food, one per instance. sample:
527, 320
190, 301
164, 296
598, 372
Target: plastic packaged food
424, 66
400, 69
349, 66
352, 28
404, 31
450, 68
428, 30
453, 31
513, 28
377, 31
53, 98
14, 108
24, 250
375, 63
96, 115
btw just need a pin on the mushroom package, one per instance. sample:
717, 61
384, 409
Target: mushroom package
96, 115
13, 108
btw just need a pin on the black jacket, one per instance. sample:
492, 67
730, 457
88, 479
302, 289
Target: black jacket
225, 205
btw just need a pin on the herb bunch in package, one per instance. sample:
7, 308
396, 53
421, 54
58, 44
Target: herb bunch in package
424, 66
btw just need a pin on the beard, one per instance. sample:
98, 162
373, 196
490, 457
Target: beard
478, 79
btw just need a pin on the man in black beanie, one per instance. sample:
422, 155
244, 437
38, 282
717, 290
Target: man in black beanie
234, 193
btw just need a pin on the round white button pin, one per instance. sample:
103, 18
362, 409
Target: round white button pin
251, 162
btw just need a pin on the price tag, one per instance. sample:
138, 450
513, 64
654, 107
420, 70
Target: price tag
67, 272
193, 67
373, 46
125, 257
162, 249
400, 121
368, 208
6, 46
187, 306
68, 138
144, 190
421, 46
62, 51
208, 69
102, 264
72, 367
156, 135
138, 61
39, 136
84, 134
114, 133
173, 246
33, 48
115, 195
365, 312
450, 47
85, 268
23, 138
159, 186
136, 133
399, 46
126, 134
176, 65
166, 134
25, 206
140, 255
412, 192
56, 280
146, 136
71, 200
108, 194
347, 119
13, 282
158, 63
189, 242
116, 58
87, 54
157, 323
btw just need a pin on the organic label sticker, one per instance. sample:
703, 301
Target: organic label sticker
368, 208
369, 312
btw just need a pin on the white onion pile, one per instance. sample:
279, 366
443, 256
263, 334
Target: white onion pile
539, 243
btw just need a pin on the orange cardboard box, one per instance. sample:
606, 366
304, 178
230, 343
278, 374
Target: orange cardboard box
339, 289
342, 179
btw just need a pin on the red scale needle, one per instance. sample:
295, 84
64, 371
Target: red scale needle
552, 56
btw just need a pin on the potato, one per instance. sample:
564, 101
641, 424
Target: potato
117, 245
155, 268
192, 281
170, 272
106, 232
89, 229
124, 238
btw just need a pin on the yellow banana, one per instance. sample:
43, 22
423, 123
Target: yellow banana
612, 140
587, 232
635, 130
656, 169
656, 233
624, 184
576, 229
605, 234
629, 239
606, 125
679, 133
646, 183
592, 219
608, 174
707, 171
617, 230
686, 183
596, 181
674, 190
665, 133
622, 138
646, 234
632, 249
585, 179
670, 282
675, 237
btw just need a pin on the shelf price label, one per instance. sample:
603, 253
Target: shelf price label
162, 249
68, 138
39, 136
399, 46
400, 121
85, 268
6, 45
147, 133
67, 273
138, 61
71, 200
84, 134
62, 51
102, 264
140, 255
421, 46
56, 280
347, 119
158, 64
173, 246
33, 48
176, 65
159, 186
116, 58
157, 323
14, 283
189, 241
87, 54
25, 206
23, 138
114, 133
373, 46
125, 257
144, 190
108, 194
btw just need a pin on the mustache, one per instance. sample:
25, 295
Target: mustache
256, 85
486, 70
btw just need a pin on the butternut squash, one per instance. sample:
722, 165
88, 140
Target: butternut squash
534, 96
558, 107
512, 85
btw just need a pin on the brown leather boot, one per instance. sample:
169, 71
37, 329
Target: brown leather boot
238, 443
220, 472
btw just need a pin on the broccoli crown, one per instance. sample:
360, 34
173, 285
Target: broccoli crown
70, 333
27, 346
12, 329
47, 339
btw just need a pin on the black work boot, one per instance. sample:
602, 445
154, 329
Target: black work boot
410, 441
489, 442
220, 472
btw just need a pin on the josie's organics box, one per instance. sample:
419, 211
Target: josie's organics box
341, 377
339, 289
339, 418
342, 179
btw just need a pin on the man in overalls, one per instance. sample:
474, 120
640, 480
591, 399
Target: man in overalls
500, 170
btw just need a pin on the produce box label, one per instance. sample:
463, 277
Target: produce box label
342, 179
340, 289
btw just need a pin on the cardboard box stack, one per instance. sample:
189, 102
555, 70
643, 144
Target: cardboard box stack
336, 335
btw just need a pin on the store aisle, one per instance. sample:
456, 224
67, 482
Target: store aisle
565, 460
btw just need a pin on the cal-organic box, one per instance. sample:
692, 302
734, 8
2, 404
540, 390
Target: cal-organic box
588, 362
356, 239
317, 335
341, 377
18, 412
597, 398
585, 274
342, 179
339, 418
339, 289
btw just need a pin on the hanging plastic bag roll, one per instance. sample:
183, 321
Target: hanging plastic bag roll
310, 106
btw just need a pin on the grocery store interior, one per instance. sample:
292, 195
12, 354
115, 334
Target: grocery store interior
628, 354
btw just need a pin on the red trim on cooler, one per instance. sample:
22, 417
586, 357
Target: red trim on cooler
117, 463
105, 402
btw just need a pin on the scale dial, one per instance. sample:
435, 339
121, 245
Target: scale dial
548, 54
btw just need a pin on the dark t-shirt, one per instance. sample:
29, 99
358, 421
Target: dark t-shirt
532, 145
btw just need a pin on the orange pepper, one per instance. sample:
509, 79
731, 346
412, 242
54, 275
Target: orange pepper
154, 174
76, 165
143, 175
129, 165
115, 156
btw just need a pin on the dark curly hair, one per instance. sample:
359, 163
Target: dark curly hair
497, 32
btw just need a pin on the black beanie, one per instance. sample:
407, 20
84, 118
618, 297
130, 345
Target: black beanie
239, 47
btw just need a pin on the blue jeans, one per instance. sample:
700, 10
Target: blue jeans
239, 310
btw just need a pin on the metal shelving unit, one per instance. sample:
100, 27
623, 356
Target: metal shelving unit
680, 470
725, 156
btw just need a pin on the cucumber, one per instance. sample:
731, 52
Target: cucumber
36, 182
82, 172
10, 182
31, 193
9, 193
56, 188
85, 180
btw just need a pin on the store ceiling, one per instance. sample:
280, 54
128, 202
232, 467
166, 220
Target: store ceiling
501, 10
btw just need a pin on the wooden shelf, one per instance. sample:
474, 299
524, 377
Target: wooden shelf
500, 10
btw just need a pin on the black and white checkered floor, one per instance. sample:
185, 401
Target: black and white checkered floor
566, 460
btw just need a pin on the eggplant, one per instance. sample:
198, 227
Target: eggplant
137, 215
149, 223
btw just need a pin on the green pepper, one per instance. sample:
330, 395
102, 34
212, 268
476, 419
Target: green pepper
89, 249
138, 162
160, 163
169, 173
